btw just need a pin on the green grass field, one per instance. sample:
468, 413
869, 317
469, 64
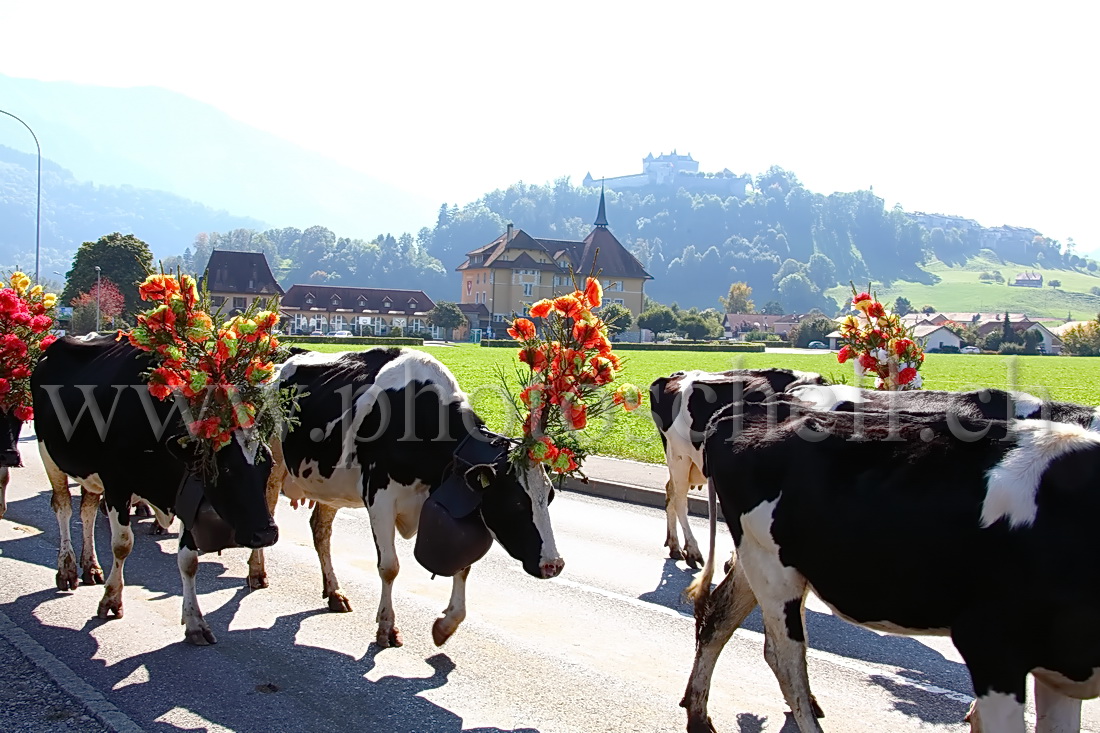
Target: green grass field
632, 435
959, 289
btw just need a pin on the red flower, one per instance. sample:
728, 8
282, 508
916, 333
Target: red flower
207, 428
533, 357
593, 293
41, 323
161, 319
24, 413
5, 386
542, 308
861, 298
159, 287
901, 345
844, 354
47, 340
867, 361
522, 330
906, 375
568, 306
875, 310
20, 372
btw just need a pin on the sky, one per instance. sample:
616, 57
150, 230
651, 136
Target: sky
985, 110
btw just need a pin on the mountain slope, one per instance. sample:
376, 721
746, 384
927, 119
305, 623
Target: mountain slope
152, 138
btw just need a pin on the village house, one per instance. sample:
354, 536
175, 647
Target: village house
362, 311
1028, 280
236, 279
516, 269
738, 323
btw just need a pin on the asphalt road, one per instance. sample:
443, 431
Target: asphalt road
606, 647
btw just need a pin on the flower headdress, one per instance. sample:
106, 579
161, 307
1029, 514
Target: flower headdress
877, 342
563, 384
221, 367
26, 317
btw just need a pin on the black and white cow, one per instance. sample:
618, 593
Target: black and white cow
681, 405
912, 524
379, 428
96, 421
9, 453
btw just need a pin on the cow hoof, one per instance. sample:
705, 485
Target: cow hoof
391, 638
202, 636
700, 725
440, 634
339, 603
155, 530
675, 554
818, 712
108, 606
693, 557
257, 581
67, 578
726, 566
142, 510
93, 575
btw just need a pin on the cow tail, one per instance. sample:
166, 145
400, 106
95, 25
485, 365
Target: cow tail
699, 590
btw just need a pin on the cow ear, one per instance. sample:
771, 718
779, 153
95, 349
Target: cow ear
480, 477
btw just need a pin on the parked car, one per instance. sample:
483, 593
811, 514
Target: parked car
341, 334
970, 350
316, 333
818, 345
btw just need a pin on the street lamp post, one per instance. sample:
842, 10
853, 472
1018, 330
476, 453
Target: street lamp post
38, 205
98, 294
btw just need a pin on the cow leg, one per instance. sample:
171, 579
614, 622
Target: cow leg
782, 592
383, 527
122, 541
320, 521
676, 511
62, 503
4, 477
723, 612
89, 562
455, 612
198, 631
999, 678
1055, 712
672, 538
257, 570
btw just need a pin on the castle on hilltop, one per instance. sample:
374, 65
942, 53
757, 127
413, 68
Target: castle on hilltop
677, 171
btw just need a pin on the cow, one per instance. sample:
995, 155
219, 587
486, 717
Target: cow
10, 426
379, 428
681, 423
912, 524
128, 444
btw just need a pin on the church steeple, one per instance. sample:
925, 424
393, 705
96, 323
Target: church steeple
601, 215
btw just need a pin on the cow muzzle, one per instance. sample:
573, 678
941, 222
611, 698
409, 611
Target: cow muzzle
265, 537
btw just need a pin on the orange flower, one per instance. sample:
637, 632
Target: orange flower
188, 291
522, 330
542, 308
533, 357
159, 287
207, 428
161, 319
593, 293
568, 306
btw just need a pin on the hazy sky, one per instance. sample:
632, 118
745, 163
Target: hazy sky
981, 109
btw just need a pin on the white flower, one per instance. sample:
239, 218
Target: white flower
916, 381
878, 383
881, 354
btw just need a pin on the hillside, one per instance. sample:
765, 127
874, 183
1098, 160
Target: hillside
152, 138
75, 211
958, 288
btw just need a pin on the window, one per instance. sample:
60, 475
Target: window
498, 318
335, 301
309, 298
217, 300
241, 303
619, 301
528, 289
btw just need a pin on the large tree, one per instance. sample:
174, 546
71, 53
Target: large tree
617, 317
739, 299
446, 315
104, 297
658, 319
123, 259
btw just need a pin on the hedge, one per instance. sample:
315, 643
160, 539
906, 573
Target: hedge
627, 346
357, 340
775, 344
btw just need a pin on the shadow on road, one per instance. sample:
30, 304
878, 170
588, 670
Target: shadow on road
252, 680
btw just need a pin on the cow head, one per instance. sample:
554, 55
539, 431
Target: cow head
485, 493
232, 506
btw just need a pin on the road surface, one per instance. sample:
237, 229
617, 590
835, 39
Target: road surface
606, 647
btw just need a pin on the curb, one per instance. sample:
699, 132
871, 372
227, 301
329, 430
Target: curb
632, 494
93, 701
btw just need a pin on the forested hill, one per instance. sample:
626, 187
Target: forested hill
74, 211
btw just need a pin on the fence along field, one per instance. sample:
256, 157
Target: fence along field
633, 435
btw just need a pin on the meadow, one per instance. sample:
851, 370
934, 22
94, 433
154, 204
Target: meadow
633, 435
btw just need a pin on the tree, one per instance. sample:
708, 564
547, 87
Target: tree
902, 306
110, 301
813, 327
658, 320
772, 308
122, 258
617, 317
1083, 339
798, 293
822, 271
1008, 334
697, 326
739, 299
927, 310
446, 315
1054, 283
